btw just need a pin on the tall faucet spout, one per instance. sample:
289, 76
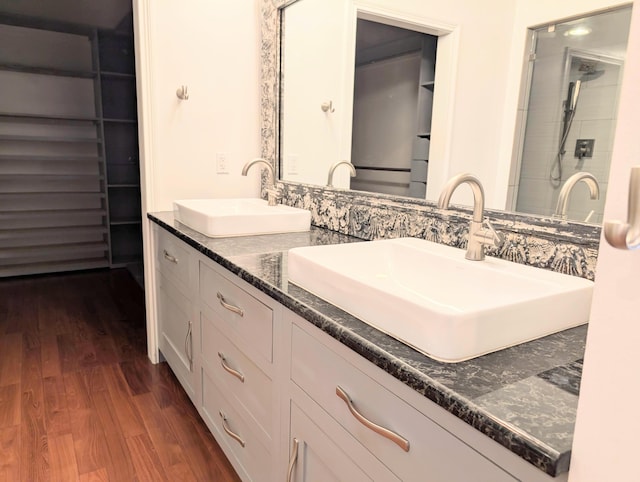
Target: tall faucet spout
476, 188
272, 192
333, 168
563, 198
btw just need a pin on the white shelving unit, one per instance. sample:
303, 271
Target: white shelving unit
69, 172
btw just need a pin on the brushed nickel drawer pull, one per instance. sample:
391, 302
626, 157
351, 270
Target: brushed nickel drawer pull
402, 442
235, 373
231, 434
229, 307
168, 257
293, 459
188, 346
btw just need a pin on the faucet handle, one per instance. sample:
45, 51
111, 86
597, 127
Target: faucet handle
273, 194
493, 236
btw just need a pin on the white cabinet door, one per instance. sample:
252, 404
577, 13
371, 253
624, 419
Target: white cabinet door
323, 452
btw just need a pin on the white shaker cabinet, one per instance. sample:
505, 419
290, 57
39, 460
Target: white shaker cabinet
286, 401
177, 332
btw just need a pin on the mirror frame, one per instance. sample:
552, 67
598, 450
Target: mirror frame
569, 232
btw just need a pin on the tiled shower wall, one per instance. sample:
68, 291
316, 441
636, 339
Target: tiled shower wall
594, 119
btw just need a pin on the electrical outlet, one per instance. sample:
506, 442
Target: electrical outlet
221, 163
292, 164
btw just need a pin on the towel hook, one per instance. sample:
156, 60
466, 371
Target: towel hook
627, 235
182, 93
327, 107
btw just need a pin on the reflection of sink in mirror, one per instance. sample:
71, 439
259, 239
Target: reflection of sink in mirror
428, 296
240, 217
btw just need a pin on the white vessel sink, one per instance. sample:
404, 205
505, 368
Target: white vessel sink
240, 217
431, 298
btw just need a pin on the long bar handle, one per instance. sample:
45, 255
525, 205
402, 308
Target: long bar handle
293, 459
229, 307
169, 257
231, 434
627, 235
402, 442
188, 345
235, 373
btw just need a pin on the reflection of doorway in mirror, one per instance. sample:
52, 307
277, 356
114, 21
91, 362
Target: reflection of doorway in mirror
575, 75
392, 105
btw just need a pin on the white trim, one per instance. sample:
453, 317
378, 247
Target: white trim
142, 33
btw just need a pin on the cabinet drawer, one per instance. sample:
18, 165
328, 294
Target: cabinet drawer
245, 320
432, 450
250, 457
173, 259
237, 377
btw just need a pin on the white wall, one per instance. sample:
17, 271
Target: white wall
211, 46
606, 437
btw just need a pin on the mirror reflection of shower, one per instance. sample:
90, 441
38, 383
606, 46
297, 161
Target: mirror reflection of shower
569, 113
589, 72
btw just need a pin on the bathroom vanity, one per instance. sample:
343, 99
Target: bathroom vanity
295, 389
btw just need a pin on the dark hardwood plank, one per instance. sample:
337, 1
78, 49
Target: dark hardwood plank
10, 450
88, 440
117, 456
99, 475
55, 407
138, 373
145, 459
50, 356
203, 453
33, 433
10, 359
10, 405
76, 354
63, 459
125, 409
163, 438
88, 434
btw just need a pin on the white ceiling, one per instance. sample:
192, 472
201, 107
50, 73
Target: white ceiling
97, 13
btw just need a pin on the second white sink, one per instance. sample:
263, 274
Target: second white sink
240, 217
431, 298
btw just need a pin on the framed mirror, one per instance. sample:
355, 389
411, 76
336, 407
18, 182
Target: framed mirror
333, 53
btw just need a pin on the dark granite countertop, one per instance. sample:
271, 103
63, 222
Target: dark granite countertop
524, 397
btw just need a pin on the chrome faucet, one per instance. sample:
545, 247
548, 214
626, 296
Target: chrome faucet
563, 198
479, 235
272, 191
333, 168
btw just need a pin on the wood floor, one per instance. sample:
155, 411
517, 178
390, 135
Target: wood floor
79, 399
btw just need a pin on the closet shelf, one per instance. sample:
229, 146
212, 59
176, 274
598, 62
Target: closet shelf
72, 140
428, 85
124, 221
117, 75
124, 186
49, 250
114, 120
29, 158
46, 118
424, 135
54, 267
33, 69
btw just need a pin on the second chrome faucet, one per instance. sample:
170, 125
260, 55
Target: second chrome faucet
481, 232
